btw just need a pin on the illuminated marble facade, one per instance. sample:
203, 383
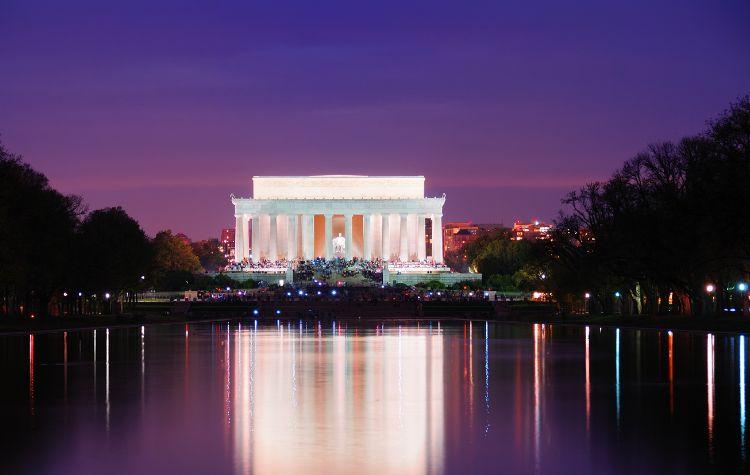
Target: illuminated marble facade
298, 217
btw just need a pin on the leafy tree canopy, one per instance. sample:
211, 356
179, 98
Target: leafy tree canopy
113, 251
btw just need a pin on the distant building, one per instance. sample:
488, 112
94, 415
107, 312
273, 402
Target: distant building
226, 243
532, 230
457, 234
490, 227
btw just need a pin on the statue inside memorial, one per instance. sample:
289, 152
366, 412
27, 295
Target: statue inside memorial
339, 246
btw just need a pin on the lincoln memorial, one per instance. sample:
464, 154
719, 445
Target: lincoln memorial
347, 216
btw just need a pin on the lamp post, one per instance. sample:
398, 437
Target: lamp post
742, 287
618, 302
710, 289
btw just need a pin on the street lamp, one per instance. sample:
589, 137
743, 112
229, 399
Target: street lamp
710, 288
618, 303
742, 287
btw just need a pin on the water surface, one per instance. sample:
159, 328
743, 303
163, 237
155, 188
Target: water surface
327, 398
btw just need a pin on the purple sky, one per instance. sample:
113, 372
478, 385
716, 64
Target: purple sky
505, 106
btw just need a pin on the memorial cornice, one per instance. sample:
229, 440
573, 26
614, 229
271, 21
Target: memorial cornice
338, 206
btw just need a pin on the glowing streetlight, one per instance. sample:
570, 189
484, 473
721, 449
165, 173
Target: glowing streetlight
710, 288
587, 295
618, 294
742, 286
106, 296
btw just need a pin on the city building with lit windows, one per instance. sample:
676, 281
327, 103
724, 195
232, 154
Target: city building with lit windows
533, 230
457, 234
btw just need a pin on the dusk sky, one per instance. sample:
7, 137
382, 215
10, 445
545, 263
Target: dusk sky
166, 108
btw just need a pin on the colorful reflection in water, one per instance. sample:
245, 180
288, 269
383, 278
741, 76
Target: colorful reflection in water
742, 395
710, 391
334, 397
588, 379
617, 374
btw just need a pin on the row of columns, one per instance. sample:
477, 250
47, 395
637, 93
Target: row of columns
307, 223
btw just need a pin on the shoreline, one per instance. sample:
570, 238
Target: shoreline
731, 325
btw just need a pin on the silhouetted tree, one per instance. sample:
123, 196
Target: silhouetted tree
113, 253
37, 225
671, 220
174, 262
210, 256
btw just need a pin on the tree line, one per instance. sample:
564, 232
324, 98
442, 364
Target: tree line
56, 257
667, 233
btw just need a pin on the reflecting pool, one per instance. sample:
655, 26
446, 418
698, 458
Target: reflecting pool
336, 397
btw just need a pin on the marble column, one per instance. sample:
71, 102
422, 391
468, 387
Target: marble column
291, 233
437, 238
308, 236
273, 253
245, 237
367, 237
348, 236
403, 251
239, 238
255, 238
329, 236
421, 244
385, 238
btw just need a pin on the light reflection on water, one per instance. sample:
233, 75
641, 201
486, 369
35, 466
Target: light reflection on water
332, 397
710, 391
588, 380
742, 396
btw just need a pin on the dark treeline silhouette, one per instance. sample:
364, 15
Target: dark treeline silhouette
55, 258
669, 232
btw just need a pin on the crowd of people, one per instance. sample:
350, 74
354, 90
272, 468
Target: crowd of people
325, 268
263, 264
